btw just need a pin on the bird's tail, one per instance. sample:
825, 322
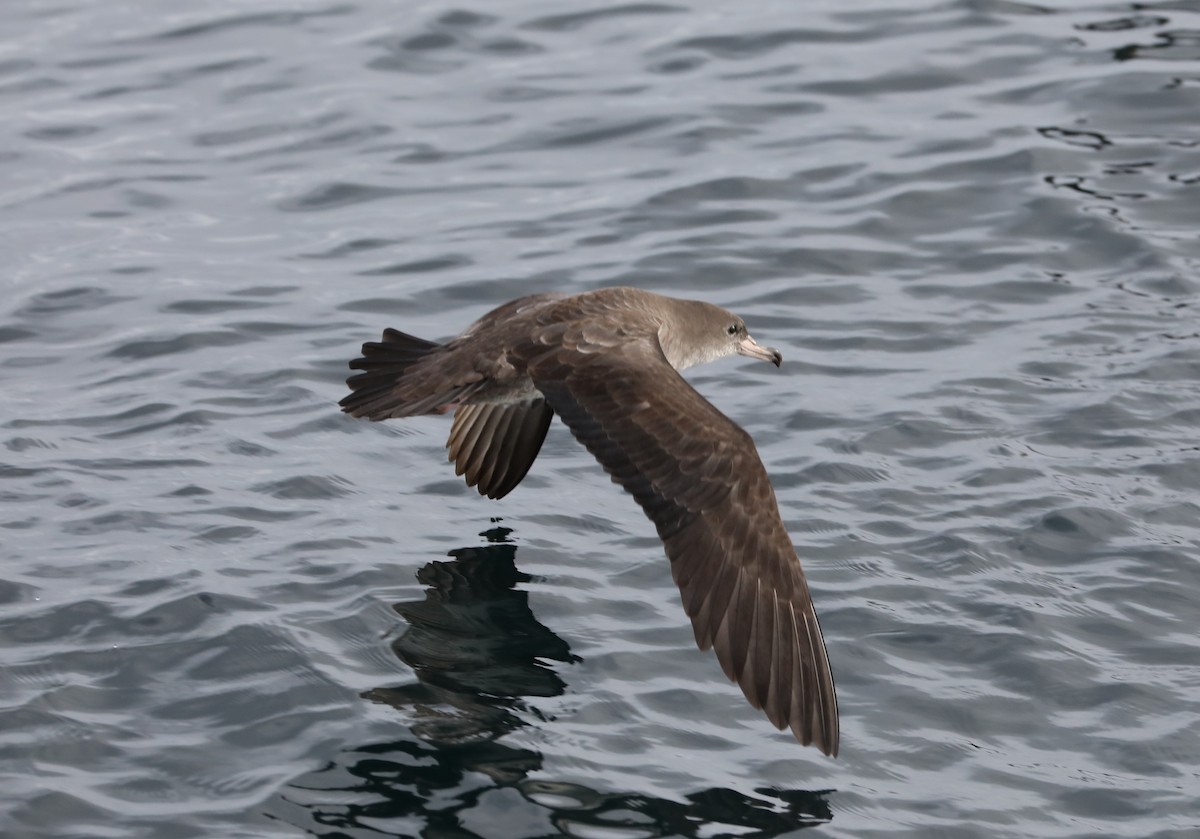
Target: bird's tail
379, 391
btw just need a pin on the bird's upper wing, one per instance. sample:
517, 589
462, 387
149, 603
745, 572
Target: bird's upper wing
699, 478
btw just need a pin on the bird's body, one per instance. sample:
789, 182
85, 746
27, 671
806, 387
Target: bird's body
605, 362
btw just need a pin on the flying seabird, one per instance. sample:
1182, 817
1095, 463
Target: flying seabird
605, 361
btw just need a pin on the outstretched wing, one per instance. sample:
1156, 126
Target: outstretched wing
699, 478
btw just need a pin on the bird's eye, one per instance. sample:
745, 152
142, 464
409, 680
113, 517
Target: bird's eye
733, 329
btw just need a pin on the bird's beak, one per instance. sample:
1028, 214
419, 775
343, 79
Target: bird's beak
749, 347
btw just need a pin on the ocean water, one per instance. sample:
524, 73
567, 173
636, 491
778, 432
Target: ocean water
229, 610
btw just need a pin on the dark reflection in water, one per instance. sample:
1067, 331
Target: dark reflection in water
477, 650
579, 811
475, 647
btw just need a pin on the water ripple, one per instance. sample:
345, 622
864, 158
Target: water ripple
230, 610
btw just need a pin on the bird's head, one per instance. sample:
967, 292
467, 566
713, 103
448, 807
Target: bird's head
700, 332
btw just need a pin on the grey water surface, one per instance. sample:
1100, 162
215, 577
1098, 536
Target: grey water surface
228, 610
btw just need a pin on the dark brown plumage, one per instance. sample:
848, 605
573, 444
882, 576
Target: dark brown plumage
605, 362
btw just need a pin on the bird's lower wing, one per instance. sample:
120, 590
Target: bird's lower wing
699, 478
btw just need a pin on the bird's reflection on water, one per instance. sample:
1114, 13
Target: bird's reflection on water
477, 650
475, 647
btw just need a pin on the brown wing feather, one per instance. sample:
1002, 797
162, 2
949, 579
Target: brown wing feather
495, 444
698, 477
